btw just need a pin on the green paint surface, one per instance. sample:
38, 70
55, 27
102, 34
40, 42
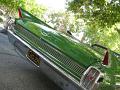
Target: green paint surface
79, 52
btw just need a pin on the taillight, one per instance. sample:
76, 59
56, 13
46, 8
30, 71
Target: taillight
19, 13
89, 78
106, 58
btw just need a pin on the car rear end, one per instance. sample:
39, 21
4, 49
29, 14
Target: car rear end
65, 72
85, 78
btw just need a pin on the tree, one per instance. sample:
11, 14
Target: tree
103, 12
11, 6
102, 18
8, 5
34, 8
64, 20
59, 20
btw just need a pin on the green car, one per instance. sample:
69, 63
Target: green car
70, 64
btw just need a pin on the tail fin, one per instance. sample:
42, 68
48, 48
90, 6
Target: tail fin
25, 14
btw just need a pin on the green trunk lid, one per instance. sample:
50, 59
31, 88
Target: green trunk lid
77, 51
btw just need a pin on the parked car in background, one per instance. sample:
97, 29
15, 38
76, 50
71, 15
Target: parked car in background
70, 64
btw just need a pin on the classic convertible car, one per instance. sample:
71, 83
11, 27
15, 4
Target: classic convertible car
70, 64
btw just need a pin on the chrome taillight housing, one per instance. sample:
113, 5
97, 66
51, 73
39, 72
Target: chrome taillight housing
89, 78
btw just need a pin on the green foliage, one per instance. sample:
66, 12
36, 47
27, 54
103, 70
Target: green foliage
63, 21
59, 20
1, 20
104, 12
8, 5
102, 18
108, 37
11, 6
34, 8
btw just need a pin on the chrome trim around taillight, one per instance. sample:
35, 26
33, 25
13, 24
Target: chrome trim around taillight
90, 78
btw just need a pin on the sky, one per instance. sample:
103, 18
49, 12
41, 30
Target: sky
53, 4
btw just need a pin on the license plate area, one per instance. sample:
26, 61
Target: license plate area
32, 56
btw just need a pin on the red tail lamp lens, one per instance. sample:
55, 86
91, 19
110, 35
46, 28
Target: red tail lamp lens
19, 13
106, 58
